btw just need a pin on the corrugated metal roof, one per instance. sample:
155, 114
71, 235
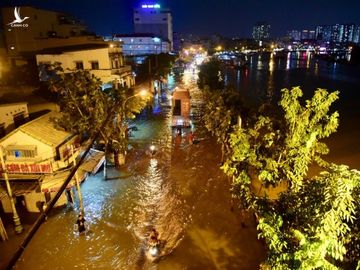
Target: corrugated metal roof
43, 129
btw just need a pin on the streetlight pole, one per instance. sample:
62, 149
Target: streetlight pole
122, 116
77, 183
18, 227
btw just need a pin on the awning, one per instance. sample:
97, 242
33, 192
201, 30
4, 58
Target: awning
93, 161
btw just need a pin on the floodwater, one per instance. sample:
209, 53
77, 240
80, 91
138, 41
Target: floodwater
180, 191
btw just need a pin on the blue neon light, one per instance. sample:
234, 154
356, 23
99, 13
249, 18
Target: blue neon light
150, 6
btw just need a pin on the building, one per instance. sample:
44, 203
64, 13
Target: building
338, 33
261, 31
38, 158
39, 24
12, 116
142, 44
294, 35
152, 19
104, 60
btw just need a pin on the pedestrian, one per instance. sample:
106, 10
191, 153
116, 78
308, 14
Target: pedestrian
81, 223
191, 137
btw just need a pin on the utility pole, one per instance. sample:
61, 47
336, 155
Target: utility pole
150, 75
18, 227
77, 183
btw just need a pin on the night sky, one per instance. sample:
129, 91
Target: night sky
226, 17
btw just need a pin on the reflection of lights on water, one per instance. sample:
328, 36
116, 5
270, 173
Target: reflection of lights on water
271, 63
288, 60
316, 69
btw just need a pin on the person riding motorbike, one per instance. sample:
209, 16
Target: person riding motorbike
153, 238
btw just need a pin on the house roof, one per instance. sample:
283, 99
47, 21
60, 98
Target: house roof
43, 129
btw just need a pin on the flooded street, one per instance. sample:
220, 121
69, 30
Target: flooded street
180, 191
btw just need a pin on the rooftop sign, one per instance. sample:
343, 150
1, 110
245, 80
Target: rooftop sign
150, 6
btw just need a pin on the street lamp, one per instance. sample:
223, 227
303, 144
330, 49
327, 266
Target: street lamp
122, 115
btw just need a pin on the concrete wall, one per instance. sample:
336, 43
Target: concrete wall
38, 25
31, 201
44, 151
68, 61
8, 111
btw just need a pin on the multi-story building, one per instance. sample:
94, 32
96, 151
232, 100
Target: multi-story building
104, 60
152, 19
261, 31
342, 33
37, 25
142, 44
294, 35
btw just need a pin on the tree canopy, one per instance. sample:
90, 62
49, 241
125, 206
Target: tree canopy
210, 75
84, 106
307, 222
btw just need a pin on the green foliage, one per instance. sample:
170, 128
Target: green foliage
210, 75
156, 66
221, 113
312, 223
275, 150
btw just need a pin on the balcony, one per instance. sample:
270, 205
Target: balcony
121, 71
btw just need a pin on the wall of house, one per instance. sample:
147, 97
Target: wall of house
44, 151
68, 61
6, 205
32, 201
40, 24
8, 111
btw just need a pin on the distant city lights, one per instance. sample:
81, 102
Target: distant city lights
150, 6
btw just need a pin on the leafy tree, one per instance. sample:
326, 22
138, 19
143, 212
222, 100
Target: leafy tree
210, 75
311, 223
156, 66
85, 106
222, 111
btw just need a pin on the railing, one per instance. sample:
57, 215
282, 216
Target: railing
121, 70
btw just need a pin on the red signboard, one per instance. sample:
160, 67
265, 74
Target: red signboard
28, 168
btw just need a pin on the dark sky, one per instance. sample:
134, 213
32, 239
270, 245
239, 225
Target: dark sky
226, 17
